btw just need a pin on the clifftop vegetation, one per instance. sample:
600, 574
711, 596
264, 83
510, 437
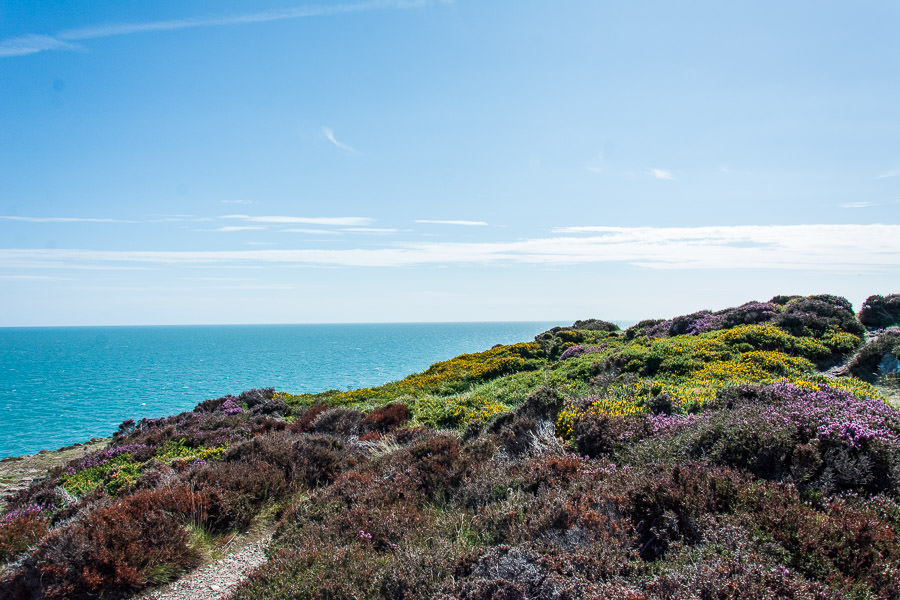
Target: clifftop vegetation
745, 453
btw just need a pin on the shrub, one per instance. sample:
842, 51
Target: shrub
253, 398
303, 460
435, 466
274, 407
641, 327
814, 315
879, 312
817, 438
213, 404
338, 421
595, 325
596, 435
386, 418
749, 313
116, 549
558, 339
21, 528
867, 364
668, 504
114, 468
305, 419
234, 492
843, 542
578, 350
458, 410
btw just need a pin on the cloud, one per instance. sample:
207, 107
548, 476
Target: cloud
31, 44
311, 231
339, 221
825, 248
230, 228
453, 222
371, 229
64, 220
891, 173
34, 278
236, 201
330, 135
596, 164
858, 204
662, 174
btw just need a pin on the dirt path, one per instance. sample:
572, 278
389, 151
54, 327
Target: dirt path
216, 580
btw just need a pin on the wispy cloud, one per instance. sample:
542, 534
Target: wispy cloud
869, 248
858, 204
370, 229
596, 164
34, 278
230, 228
891, 173
311, 231
453, 222
32, 43
338, 221
236, 201
662, 174
64, 219
329, 134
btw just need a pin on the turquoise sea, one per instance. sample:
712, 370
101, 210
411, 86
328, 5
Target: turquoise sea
61, 385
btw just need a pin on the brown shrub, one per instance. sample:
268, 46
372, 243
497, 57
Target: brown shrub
338, 421
19, 531
304, 420
236, 491
115, 549
386, 418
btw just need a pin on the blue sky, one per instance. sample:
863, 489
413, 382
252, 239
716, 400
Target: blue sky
249, 162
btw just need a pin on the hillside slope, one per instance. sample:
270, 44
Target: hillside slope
743, 453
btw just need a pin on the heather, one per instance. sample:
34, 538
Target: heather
748, 452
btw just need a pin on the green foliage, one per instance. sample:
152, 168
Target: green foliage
178, 450
117, 473
455, 411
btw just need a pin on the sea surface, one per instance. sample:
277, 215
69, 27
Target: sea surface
61, 385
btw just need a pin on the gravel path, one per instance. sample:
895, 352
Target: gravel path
216, 580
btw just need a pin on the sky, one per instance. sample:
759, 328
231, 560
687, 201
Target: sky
450, 160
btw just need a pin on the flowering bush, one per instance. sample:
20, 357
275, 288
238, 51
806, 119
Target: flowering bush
825, 438
814, 315
879, 312
574, 351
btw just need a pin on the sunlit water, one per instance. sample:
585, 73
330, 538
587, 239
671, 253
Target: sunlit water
61, 385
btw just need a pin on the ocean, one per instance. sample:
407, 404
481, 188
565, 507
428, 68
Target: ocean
61, 385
